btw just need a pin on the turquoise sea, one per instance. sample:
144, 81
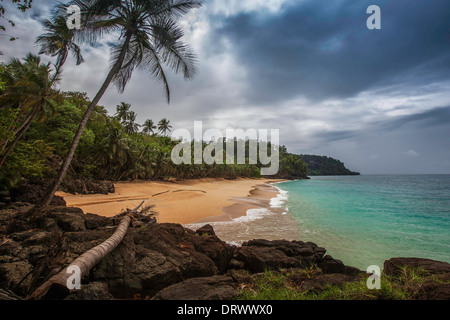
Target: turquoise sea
364, 220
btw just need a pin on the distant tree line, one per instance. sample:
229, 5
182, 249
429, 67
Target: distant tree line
326, 166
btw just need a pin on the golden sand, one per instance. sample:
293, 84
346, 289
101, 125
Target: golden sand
180, 202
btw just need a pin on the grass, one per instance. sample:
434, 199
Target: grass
311, 284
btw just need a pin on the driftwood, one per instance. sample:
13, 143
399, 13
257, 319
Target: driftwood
189, 190
157, 194
56, 287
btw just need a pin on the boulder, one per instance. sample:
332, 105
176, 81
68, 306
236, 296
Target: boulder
206, 230
150, 259
259, 255
219, 287
93, 221
330, 265
92, 291
206, 242
16, 276
68, 219
394, 266
441, 292
260, 259
33, 193
85, 186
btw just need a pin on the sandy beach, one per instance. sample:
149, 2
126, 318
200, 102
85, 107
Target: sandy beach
183, 202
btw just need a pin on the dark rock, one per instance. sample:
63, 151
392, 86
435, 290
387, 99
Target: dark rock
323, 281
94, 221
441, 292
92, 291
256, 255
206, 230
15, 276
320, 252
217, 250
33, 237
68, 219
236, 264
260, 259
33, 193
394, 266
172, 262
85, 186
204, 288
150, 259
330, 265
351, 271
311, 244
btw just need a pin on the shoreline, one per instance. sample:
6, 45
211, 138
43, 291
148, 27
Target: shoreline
185, 202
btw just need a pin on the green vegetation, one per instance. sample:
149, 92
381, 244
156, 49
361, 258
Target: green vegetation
47, 134
326, 166
21, 5
312, 284
112, 147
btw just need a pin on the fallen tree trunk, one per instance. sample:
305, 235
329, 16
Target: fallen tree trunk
57, 286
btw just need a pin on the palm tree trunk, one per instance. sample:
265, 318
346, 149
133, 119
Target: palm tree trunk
18, 137
62, 172
56, 287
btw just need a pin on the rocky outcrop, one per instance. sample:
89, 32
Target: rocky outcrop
218, 287
261, 255
85, 186
439, 289
33, 193
165, 261
394, 266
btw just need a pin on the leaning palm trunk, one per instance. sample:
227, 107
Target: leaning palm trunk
56, 287
68, 159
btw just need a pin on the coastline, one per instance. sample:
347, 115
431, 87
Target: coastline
185, 202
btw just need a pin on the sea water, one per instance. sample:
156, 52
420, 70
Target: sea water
365, 220
270, 220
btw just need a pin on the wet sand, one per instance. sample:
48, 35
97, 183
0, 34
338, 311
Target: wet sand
193, 201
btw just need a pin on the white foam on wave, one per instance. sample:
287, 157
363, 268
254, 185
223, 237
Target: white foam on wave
280, 200
253, 214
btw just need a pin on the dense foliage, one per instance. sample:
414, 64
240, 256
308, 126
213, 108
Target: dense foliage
112, 147
326, 166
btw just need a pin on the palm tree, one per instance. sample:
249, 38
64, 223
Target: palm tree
164, 126
130, 124
149, 127
58, 42
32, 91
56, 286
122, 111
149, 38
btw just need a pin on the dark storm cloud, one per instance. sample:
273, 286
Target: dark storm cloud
323, 49
311, 69
431, 118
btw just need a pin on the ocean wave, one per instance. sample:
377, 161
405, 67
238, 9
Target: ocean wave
253, 214
280, 200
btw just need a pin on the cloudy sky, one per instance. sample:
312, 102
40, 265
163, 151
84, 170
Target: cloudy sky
379, 100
